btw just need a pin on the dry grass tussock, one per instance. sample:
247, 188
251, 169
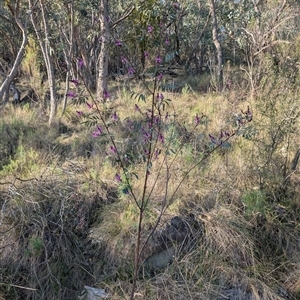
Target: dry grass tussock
221, 266
45, 253
66, 222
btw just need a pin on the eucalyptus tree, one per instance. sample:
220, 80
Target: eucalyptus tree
196, 36
87, 41
107, 23
43, 34
65, 24
10, 42
20, 15
103, 55
153, 29
254, 29
216, 40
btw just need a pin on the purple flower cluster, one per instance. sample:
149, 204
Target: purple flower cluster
80, 62
150, 29
118, 177
115, 117
90, 106
159, 97
158, 60
106, 94
75, 81
97, 132
220, 138
71, 94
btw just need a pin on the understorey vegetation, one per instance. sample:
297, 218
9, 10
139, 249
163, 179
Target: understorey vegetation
147, 153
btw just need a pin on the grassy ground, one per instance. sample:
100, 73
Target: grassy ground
66, 222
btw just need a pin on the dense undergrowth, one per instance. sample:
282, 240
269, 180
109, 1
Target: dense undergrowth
66, 221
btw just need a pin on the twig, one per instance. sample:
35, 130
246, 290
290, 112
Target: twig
18, 286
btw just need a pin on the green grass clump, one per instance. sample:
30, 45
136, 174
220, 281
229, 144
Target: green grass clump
255, 202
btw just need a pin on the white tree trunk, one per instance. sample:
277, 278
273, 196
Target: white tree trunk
103, 56
4, 89
69, 40
45, 47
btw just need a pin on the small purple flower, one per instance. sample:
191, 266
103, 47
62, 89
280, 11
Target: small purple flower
115, 116
131, 71
240, 121
75, 81
176, 5
160, 76
97, 132
79, 113
124, 60
118, 177
80, 62
146, 136
159, 97
156, 120
197, 120
105, 94
149, 29
146, 54
158, 59
213, 139
71, 94
221, 134
113, 149
90, 106
161, 138
100, 39
167, 41
156, 153
118, 43
130, 124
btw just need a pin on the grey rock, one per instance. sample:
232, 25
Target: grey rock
178, 236
91, 293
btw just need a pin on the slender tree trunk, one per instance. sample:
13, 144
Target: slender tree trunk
177, 44
4, 89
49, 65
103, 56
217, 44
68, 54
102, 63
45, 45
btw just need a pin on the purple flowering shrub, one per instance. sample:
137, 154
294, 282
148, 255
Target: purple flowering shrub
144, 146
